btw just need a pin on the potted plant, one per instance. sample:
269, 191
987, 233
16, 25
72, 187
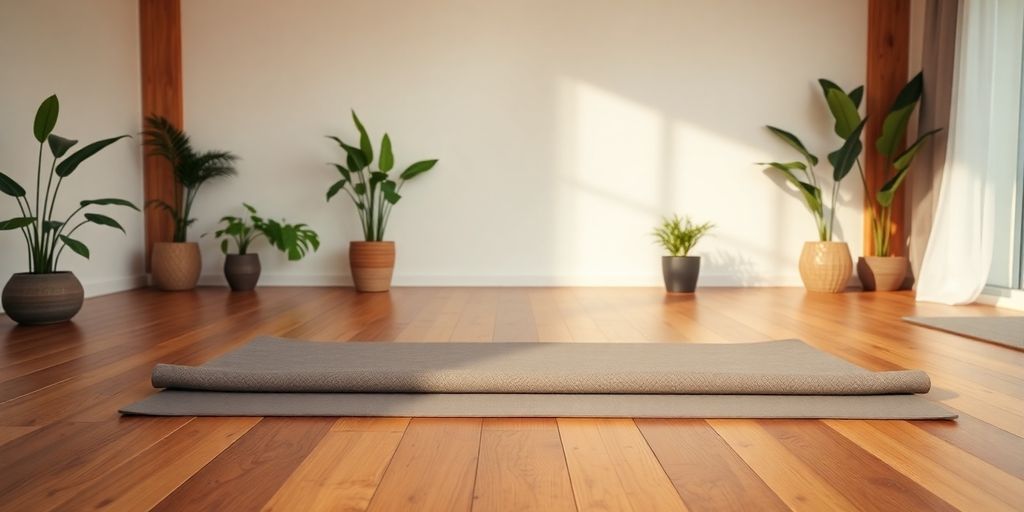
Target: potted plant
45, 294
374, 192
882, 270
242, 269
679, 269
825, 265
176, 265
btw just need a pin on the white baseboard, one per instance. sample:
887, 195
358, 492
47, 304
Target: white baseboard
1002, 298
96, 288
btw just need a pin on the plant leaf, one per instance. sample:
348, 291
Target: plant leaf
842, 159
905, 158
345, 174
252, 211
59, 145
364, 139
856, 95
359, 188
69, 164
843, 110
389, 190
356, 159
387, 157
418, 168
895, 125
333, 191
79, 248
51, 225
792, 140
16, 223
46, 118
103, 220
224, 245
109, 201
10, 187
811, 194
887, 194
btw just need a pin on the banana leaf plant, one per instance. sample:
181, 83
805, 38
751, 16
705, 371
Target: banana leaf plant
897, 157
803, 176
46, 233
295, 240
372, 188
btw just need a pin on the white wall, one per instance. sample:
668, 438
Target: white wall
88, 54
564, 129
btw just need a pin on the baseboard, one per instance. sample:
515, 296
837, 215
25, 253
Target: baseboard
96, 288
1002, 298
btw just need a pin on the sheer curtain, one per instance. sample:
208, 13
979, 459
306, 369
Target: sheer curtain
956, 261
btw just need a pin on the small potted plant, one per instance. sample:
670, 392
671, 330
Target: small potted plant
45, 294
882, 270
374, 191
176, 265
242, 269
825, 265
679, 269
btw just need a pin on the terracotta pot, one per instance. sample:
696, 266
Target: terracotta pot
175, 266
882, 273
38, 299
242, 271
680, 273
372, 265
825, 266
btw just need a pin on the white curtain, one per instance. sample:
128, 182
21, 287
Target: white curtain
958, 256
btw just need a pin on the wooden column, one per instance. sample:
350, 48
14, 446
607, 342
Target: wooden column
160, 44
888, 49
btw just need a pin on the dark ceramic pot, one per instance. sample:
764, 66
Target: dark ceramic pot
242, 271
680, 273
39, 299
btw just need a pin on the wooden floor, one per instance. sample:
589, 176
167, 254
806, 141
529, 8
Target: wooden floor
63, 445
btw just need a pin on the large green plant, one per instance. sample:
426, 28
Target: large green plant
295, 240
803, 176
889, 145
191, 169
46, 238
373, 190
678, 238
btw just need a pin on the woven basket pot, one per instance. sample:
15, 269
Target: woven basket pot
825, 266
39, 299
372, 264
175, 266
882, 273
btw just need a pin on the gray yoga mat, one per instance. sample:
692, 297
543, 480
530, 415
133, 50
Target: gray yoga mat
1003, 330
780, 379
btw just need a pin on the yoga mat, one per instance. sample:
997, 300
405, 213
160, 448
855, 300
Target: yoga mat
1002, 330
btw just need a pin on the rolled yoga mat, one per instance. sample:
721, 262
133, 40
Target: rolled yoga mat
764, 380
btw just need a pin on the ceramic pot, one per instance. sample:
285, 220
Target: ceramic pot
175, 266
39, 299
680, 273
242, 271
882, 273
825, 266
372, 264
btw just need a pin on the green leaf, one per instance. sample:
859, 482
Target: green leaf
224, 246
247, 206
793, 141
333, 191
76, 246
843, 110
364, 139
52, 225
377, 177
856, 95
905, 158
46, 118
359, 188
842, 159
109, 201
103, 220
69, 164
909, 94
345, 174
811, 194
356, 159
887, 194
418, 168
59, 145
10, 187
387, 158
389, 190
16, 223
785, 166
895, 125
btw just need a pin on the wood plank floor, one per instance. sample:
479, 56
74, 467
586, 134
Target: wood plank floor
64, 447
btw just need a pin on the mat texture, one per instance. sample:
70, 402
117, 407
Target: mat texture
1003, 330
779, 379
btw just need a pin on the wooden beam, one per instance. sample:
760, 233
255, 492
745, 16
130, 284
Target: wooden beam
888, 53
160, 44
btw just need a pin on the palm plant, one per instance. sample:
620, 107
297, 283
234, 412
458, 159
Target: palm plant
844, 110
46, 238
191, 169
373, 191
295, 240
679, 239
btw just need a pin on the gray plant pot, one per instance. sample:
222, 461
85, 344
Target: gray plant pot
39, 299
680, 273
242, 271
